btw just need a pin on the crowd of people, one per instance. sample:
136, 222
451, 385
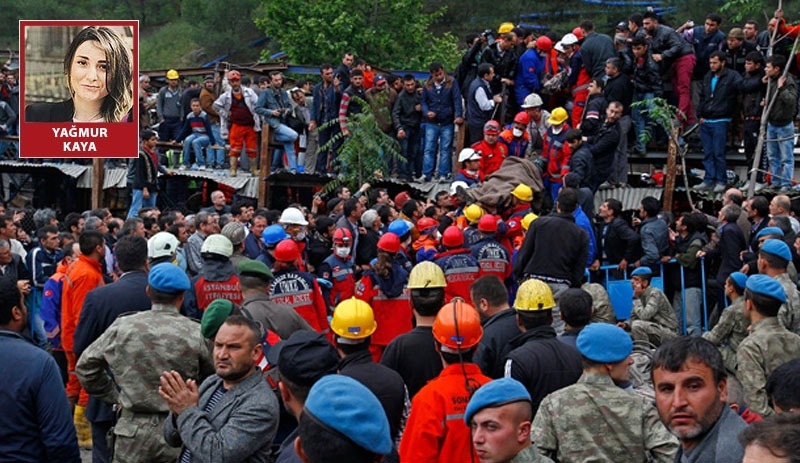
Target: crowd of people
365, 327
416, 330
526, 93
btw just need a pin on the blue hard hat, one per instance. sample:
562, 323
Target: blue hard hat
273, 235
399, 227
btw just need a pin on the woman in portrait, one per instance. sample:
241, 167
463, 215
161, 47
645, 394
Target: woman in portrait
98, 67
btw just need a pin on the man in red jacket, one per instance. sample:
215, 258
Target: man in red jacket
492, 150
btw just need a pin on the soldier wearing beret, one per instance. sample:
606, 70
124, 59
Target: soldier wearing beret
769, 344
774, 257
499, 415
731, 328
570, 420
653, 318
136, 349
342, 420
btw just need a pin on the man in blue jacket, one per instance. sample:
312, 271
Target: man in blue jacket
441, 108
36, 423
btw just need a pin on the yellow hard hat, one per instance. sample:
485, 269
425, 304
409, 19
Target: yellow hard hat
558, 116
473, 213
505, 28
534, 295
353, 319
528, 219
172, 74
523, 193
426, 275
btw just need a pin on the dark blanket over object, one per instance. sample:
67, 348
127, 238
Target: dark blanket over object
497, 187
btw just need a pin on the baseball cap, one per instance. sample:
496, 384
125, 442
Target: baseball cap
305, 357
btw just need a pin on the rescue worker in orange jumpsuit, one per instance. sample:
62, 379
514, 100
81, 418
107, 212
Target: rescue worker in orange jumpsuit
435, 430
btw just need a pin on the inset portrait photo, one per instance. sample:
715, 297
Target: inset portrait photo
78, 95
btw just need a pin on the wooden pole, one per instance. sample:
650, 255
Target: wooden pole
264, 167
669, 177
458, 146
98, 173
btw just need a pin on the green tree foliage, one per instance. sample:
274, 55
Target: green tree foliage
365, 153
389, 33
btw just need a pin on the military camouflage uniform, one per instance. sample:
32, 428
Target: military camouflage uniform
530, 455
729, 332
789, 315
653, 318
595, 420
768, 346
137, 348
602, 311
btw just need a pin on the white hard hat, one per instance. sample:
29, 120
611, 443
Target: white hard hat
162, 244
217, 244
454, 186
292, 215
468, 154
559, 47
532, 101
569, 39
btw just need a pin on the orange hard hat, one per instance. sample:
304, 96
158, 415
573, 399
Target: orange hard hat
578, 32
457, 326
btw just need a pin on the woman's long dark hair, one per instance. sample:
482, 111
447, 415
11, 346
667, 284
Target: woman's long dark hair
119, 77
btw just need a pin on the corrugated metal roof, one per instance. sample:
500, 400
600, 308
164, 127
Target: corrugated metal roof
630, 198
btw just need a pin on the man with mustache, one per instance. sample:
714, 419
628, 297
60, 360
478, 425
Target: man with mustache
691, 389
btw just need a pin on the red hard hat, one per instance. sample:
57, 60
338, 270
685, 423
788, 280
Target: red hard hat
491, 128
452, 237
342, 236
287, 251
544, 43
426, 223
578, 32
522, 118
488, 223
390, 243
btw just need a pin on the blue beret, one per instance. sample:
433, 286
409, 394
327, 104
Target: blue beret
496, 394
766, 286
604, 343
739, 279
769, 231
642, 271
347, 406
168, 278
777, 248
